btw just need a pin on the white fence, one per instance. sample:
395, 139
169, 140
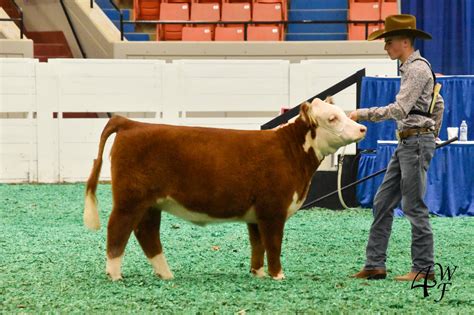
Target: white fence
18, 133
35, 146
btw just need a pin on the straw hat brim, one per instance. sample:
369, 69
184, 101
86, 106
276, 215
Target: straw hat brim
410, 32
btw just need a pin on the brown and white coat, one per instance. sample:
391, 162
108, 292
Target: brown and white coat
207, 175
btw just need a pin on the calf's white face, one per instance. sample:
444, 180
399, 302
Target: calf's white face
333, 128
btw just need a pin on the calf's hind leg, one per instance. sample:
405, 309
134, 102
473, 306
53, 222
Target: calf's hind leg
122, 221
147, 233
119, 229
258, 251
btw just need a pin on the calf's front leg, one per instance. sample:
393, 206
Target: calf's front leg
271, 233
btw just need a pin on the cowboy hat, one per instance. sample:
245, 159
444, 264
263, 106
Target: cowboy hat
399, 24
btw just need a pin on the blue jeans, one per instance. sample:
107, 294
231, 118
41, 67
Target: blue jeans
405, 181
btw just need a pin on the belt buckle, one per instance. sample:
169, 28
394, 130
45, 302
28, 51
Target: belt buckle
397, 135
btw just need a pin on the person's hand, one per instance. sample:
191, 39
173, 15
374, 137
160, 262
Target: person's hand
353, 115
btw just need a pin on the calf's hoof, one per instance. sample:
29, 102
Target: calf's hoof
165, 276
259, 273
114, 277
279, 276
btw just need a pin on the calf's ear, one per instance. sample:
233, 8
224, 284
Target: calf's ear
329, 100
307, 115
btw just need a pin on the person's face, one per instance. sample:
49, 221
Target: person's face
396, 46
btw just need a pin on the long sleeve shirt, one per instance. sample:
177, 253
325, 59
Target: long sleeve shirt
416, 88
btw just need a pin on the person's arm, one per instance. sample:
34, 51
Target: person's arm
437, 113
410, 90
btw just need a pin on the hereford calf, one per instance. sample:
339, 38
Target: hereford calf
207, 175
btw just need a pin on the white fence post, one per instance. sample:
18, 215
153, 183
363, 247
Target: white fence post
47, 103
18, 158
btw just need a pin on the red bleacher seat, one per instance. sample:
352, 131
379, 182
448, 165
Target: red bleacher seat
146, 9
236, 12
388, 7
263, 33
269, 12
206, 12
357, 31
208, 1
177, 1
196, 34
283, 3
172, 12
360, 10
229, 33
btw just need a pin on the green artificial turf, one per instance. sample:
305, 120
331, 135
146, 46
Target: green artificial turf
50, 263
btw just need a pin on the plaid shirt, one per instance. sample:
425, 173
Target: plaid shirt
416, 87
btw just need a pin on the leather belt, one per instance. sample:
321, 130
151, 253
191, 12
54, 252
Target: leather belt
413, 132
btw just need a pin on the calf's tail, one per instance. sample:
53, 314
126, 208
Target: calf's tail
91, 214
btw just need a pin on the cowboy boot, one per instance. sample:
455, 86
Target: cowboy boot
374, 274
415, 276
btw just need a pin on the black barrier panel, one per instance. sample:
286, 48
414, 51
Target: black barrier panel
356, 78
325, 182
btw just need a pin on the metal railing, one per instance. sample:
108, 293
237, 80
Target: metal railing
247, 23
356, 78
20, 19
121, 18
73, 29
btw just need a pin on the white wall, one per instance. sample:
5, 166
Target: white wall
295, 51
217, 93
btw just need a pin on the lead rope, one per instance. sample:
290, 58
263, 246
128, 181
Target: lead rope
339, 178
